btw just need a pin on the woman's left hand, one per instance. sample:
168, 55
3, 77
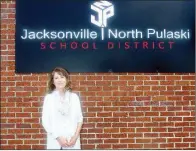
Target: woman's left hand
72, 141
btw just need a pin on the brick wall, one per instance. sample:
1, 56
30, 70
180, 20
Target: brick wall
121, 110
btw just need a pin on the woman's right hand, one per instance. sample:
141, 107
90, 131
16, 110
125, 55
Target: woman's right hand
62, 141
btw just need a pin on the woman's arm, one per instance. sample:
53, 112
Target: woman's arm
79, 120
79, 127
46, 117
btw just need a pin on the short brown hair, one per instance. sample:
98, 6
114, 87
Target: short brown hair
60, 71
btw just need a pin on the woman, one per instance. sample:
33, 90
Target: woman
62, 115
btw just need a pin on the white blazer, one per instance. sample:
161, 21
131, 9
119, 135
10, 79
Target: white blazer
58, 123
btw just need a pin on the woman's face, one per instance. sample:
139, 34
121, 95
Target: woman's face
59, 81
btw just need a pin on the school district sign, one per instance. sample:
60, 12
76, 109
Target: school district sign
105, 36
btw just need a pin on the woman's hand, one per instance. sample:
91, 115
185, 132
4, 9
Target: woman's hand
62, 141
72, 141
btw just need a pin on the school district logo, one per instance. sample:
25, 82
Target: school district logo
104, 10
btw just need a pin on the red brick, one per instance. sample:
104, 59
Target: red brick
119, 124
127, 130
142, 78
184, 92
135, 82
121, 135
142, 108
153, 124
111, 141
3, 142
104, 146
120, 103
4, 5
181, 83
158, 77
95, 109
102, 103
103, 135
159, 119
127, 141
104, 125
143, 129
7, 137
182, 113
188, 118
150, 134
166, 82
175, 129
136, 93
11, 15
166, 135
30, 141
126, 78
8, 147
151, 83
111, 130
14, 109
181, 134
171, 140
159, 98
131, 135
159, 140
26, 130
127, 119
159, 130
87, 135
95, 89
87, 146
103, 93
15, 142
150, 146
158, 88
110, 88
95, 120
136, 114
111, 108
24, 136
132, 146
143, 98
188, 108
135, 124
188, 77
188, 139
175, 118
83, 141
12, 5
38, 147
102, 83
117, 93
167, 114
151, 113
188, 129
168, 145
23, 147
119, 146
95, 141
166, 124
119, 83
181, 144
173, 78
158, 108
94, 78
143, 119
120, 114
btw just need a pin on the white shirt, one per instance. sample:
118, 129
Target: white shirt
61, 118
